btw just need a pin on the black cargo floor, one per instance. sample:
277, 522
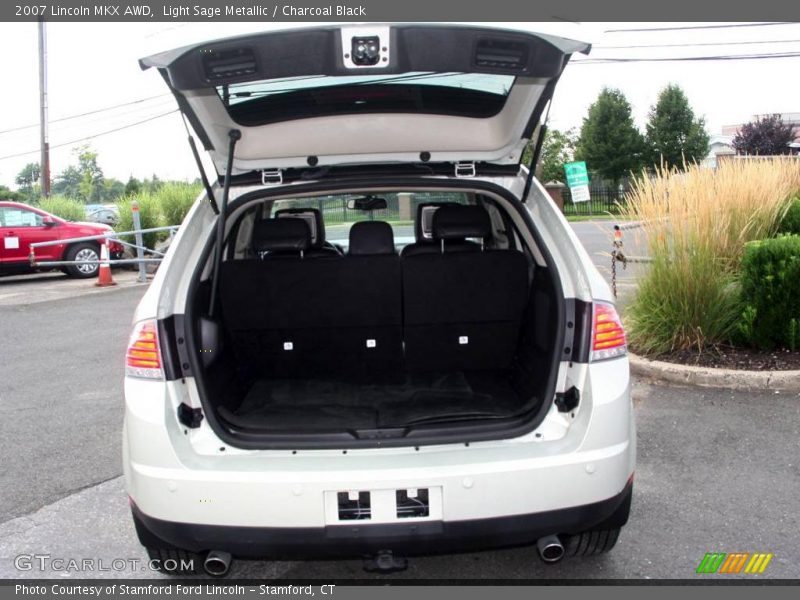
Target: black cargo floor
315, 405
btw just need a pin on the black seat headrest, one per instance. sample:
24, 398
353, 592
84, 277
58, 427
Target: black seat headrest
422, 228
315, 222
281, 236
459, 222
371, 237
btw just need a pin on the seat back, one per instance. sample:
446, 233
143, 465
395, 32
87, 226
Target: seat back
463, 304
291, 314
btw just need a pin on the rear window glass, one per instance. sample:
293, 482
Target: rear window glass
401, 212
463, 94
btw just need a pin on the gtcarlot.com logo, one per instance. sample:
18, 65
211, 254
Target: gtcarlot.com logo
736, 562
47, 562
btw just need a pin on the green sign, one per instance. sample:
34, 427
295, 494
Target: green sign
576, 174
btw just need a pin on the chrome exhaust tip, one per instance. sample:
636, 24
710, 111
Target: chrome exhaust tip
550, 548
217, 563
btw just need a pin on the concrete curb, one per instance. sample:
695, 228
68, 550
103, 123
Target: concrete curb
786, 381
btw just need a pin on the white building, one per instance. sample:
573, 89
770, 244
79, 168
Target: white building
718, 145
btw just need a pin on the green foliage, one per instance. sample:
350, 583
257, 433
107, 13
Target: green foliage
609, 141
683, 302
7, 194
149, 216
134, 186
66, 208
167, 205
688, 297
112, 188
791, 219
175, 200
558, 148
90, 186
674, 136
27, 178
67, 183
766, 136
770, 282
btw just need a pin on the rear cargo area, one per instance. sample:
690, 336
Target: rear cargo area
449, 331
411, 399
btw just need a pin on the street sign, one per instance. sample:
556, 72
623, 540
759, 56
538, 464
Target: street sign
580, 193
578, 181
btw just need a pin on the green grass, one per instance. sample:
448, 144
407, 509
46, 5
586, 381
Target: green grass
687, 305
579, 218
66, 208
149, 217
175, 200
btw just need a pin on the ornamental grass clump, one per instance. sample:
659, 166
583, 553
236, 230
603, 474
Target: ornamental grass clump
697, 223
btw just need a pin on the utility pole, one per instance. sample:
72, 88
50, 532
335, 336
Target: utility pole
44, 169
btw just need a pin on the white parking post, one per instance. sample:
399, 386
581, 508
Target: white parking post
137, 226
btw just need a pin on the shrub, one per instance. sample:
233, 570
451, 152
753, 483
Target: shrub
149, 216
697, 224
770, 280
175, 200
791, 220
686, 302
66, 208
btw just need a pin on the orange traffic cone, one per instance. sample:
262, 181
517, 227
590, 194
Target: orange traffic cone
104, 277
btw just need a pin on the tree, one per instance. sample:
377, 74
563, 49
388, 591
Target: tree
112, 189
91, 184
767, 136
134, 186
558, 148
674, 136
84, 181
609, 141
152, 185
26, 179
7, 194
67, 182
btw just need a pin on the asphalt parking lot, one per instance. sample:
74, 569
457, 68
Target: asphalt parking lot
717, 470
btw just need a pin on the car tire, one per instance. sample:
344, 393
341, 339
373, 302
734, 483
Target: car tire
82, 252
183, 561
591, 543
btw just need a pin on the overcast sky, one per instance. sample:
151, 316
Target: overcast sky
93, 66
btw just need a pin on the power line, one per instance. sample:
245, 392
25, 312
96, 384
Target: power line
96, 135
696, 44
91, 112
598, 61
79, 127
728, 26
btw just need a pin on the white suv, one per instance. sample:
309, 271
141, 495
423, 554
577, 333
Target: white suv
374, 334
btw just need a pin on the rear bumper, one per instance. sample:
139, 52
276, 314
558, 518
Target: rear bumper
406, 539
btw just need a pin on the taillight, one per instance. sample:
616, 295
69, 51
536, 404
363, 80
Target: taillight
143, 358
608, 336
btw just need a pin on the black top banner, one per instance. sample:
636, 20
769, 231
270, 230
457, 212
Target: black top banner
405, 10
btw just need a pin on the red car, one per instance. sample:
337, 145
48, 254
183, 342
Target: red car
22, 225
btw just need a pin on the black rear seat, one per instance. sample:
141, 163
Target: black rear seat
371, 285
463, 304
291, 313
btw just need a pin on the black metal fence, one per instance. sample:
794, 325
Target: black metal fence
605, 198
